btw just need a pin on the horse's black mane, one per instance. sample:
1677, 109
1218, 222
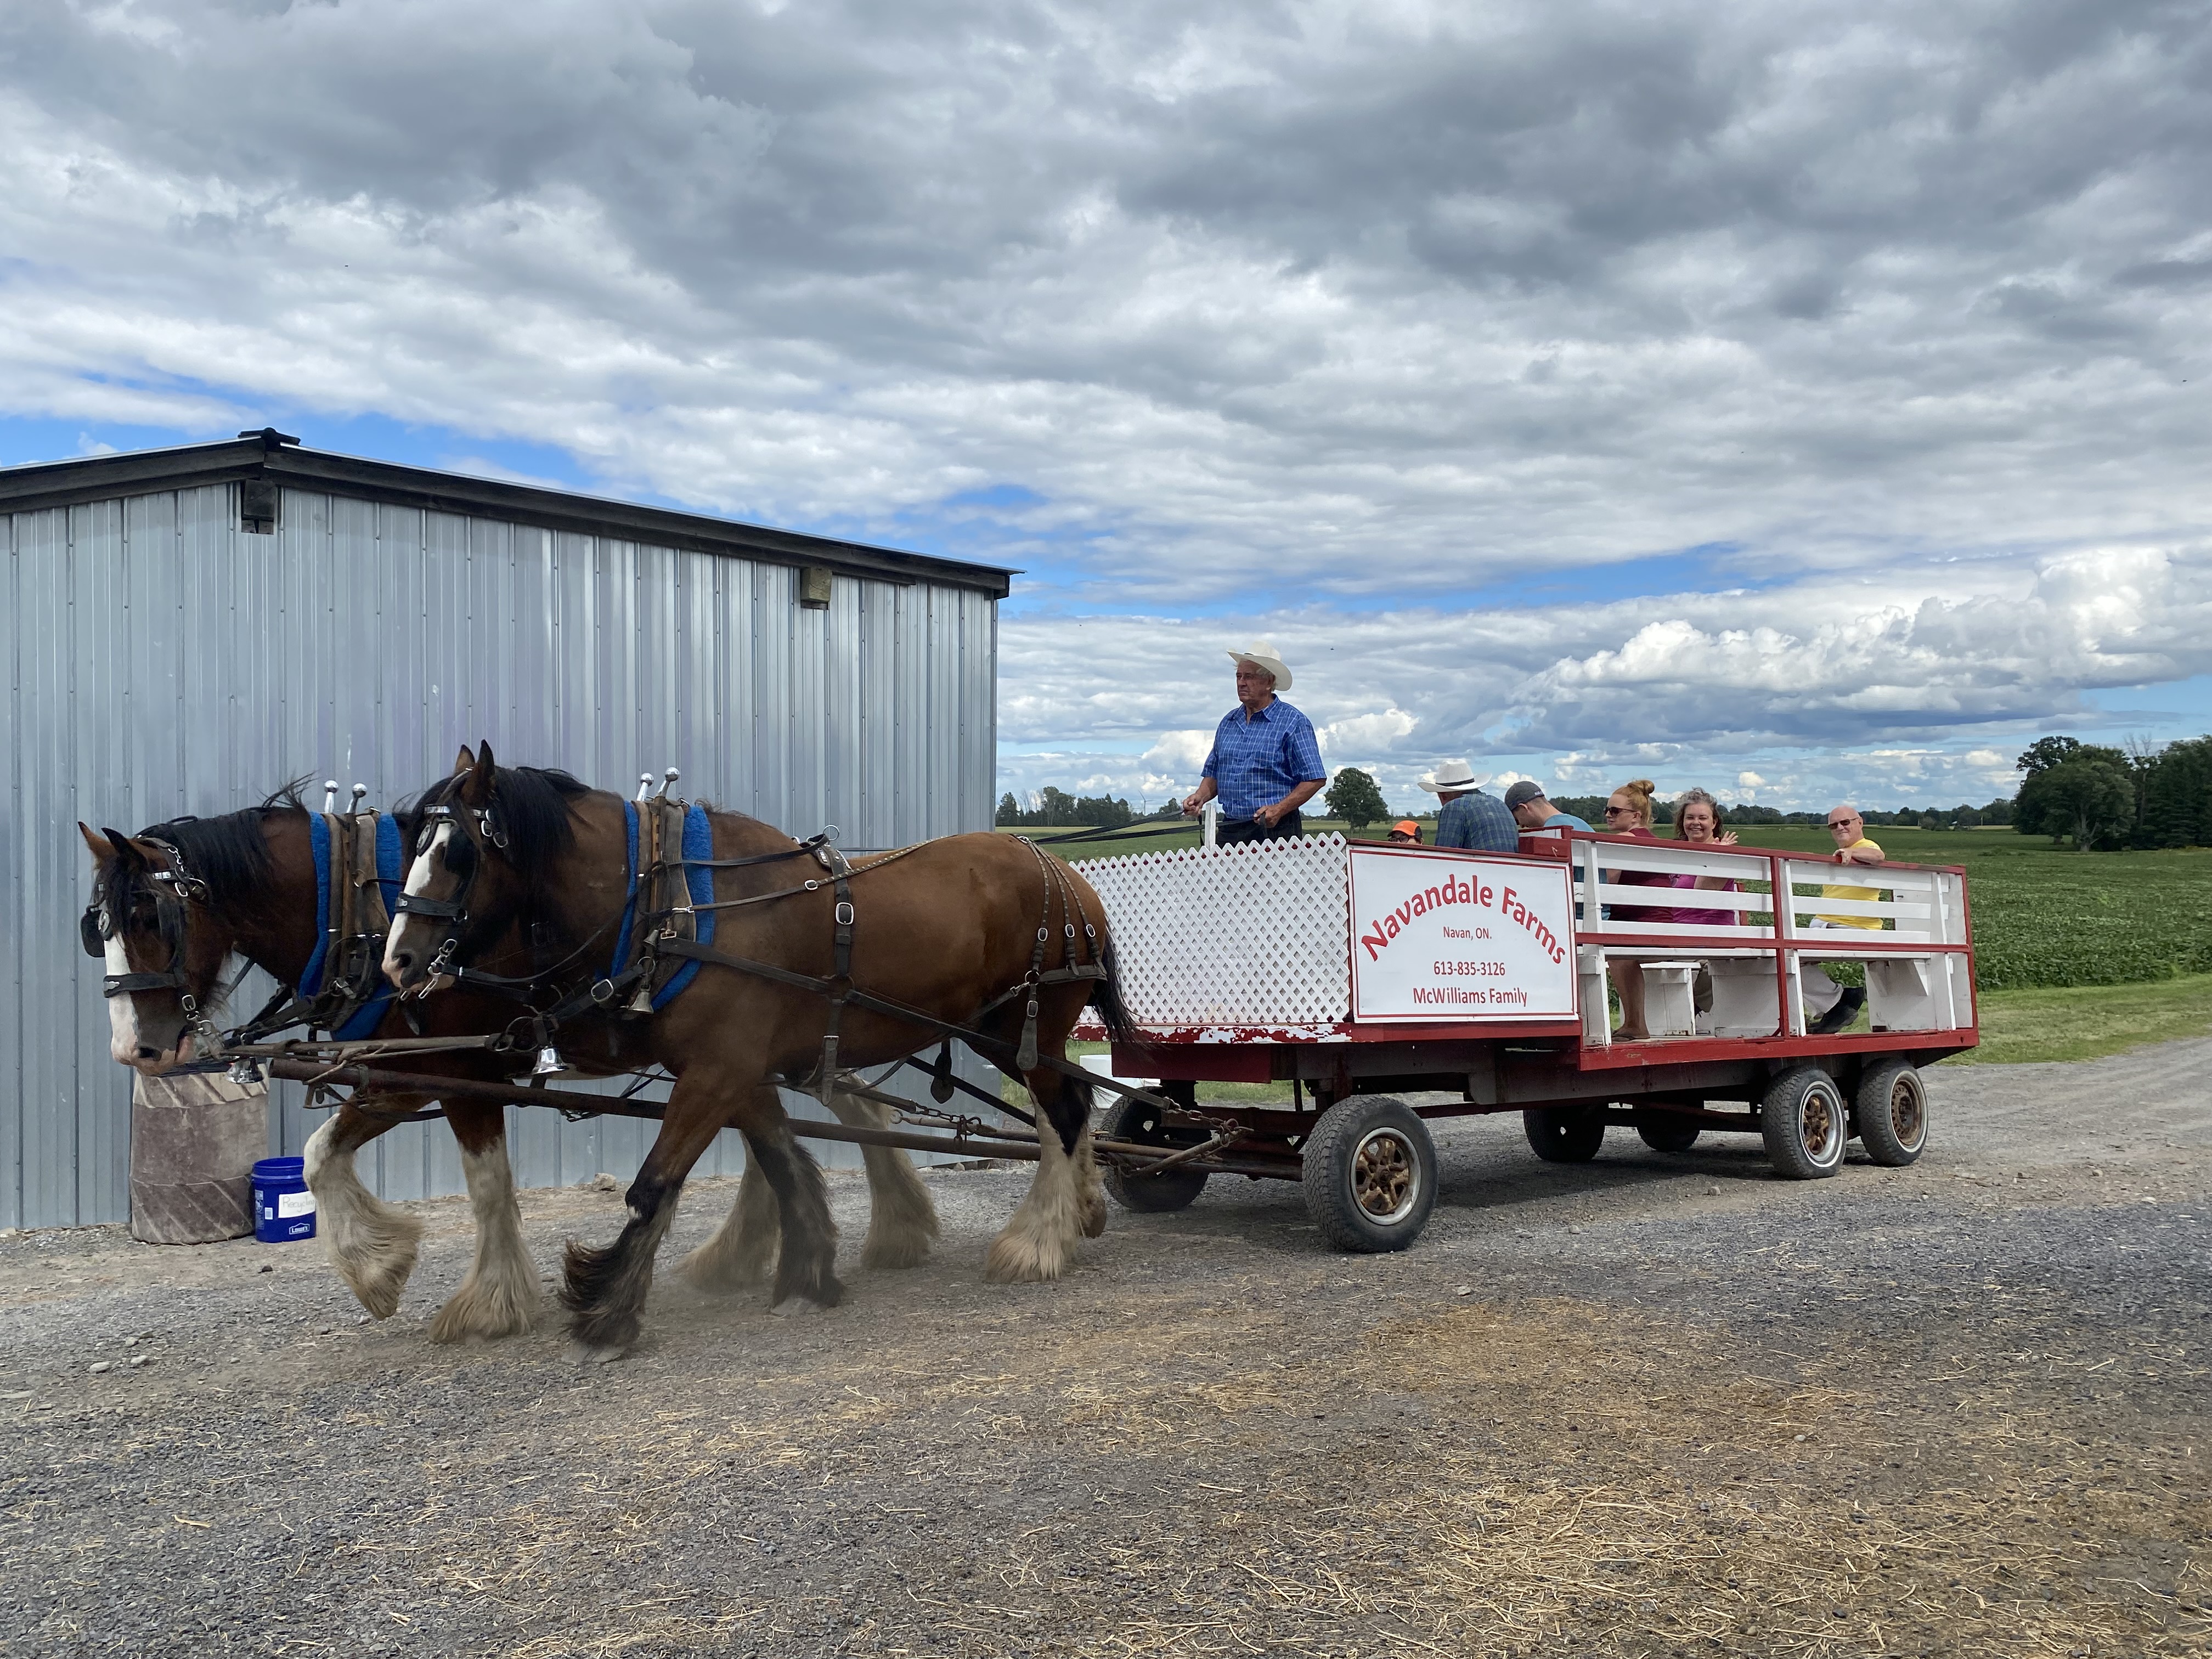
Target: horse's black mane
530, 805
228, 853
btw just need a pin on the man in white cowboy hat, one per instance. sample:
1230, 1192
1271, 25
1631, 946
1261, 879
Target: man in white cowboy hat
1266, 763
1468, 817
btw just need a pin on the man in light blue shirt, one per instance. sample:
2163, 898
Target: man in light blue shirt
1266, 761
1533, 813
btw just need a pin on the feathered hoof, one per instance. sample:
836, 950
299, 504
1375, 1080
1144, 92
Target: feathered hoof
1017, 1258
377, 1284
583, 1353
1094, 1213
894, 1254
481, 1314
720, 1272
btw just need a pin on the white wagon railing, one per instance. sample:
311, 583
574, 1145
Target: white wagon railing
1259, 941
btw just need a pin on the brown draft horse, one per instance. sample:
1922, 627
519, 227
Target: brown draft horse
948, 928
243, 885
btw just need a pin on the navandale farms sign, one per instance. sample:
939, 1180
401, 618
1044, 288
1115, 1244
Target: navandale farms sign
1442, 937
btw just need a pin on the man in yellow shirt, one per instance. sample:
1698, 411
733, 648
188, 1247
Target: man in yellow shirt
1837, 1006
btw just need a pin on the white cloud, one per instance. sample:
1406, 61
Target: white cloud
1318, 318
1750, 780
1357, 739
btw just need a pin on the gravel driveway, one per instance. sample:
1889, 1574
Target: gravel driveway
1652, 1405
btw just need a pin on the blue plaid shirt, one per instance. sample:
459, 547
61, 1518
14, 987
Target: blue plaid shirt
1257, 761
1479, 823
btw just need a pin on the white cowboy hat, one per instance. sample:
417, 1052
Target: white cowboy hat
1264, 656
1453, 776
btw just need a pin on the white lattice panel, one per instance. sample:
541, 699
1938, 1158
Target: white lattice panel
1251, 935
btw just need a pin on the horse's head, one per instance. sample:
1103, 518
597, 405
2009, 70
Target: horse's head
481, 838
148, 921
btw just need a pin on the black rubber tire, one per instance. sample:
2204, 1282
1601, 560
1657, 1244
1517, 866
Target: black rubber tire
1564, 1134
1178, 1188
1663, 1132
1371, 1173
1890, 1112
1805, 1123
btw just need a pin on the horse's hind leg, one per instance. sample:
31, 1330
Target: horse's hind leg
501, 1297
372, 1245
1066, 1200
901, 1219
743, 1251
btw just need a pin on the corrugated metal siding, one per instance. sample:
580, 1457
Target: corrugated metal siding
164, 662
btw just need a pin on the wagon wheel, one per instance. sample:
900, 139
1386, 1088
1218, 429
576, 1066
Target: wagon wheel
1891, 1114
1564, 1134
1665, 1132
1369, 1174
1138, 1120
1803, 1120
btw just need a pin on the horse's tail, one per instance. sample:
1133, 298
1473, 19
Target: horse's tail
1106, 997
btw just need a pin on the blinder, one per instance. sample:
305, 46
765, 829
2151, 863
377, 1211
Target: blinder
96, 926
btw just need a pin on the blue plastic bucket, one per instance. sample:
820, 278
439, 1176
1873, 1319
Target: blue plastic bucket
284, 1208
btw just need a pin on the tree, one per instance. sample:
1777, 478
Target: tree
2047, 752
2090, 796
1010, 809
1355, 798
2178, 795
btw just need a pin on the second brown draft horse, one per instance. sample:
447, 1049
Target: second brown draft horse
956, 929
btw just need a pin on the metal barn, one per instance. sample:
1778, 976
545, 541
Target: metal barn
189, 627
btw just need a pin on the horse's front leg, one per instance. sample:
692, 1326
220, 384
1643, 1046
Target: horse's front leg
501, 1297
606, 1286
371, 1244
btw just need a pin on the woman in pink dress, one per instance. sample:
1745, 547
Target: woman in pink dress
1698, 821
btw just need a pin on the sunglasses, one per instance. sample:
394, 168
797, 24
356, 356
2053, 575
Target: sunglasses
1619, 811
1841, 824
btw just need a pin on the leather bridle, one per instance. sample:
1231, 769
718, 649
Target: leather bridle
454, 911
174, 887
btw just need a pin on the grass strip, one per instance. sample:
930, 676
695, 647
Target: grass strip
2085, 1022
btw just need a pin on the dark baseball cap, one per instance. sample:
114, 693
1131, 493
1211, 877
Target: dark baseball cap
1524, 792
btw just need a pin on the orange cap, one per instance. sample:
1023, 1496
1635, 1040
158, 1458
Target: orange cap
1407, 826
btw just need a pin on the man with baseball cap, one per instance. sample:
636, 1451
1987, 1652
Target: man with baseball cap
1533, 813
1405, 833
1266, 761
1469, 818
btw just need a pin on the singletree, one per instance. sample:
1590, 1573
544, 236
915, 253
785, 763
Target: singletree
1354, 797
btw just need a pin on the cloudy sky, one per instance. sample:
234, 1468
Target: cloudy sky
1798, 400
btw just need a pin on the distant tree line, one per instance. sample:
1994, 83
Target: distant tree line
2098, 797
1056, 809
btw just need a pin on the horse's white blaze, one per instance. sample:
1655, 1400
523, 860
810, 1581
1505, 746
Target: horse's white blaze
419, 873
418, 884
370, 1244
500, 1297
122, 1010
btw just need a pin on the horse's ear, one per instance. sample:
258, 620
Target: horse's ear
102, 847
475, 788
463, 762
125, 848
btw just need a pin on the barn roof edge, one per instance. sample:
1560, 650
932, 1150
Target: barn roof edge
139, 472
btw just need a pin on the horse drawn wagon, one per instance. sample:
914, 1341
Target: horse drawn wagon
521, 914
1354, 975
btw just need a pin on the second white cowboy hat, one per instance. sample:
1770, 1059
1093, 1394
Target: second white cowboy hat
1260, 654
1455, 776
